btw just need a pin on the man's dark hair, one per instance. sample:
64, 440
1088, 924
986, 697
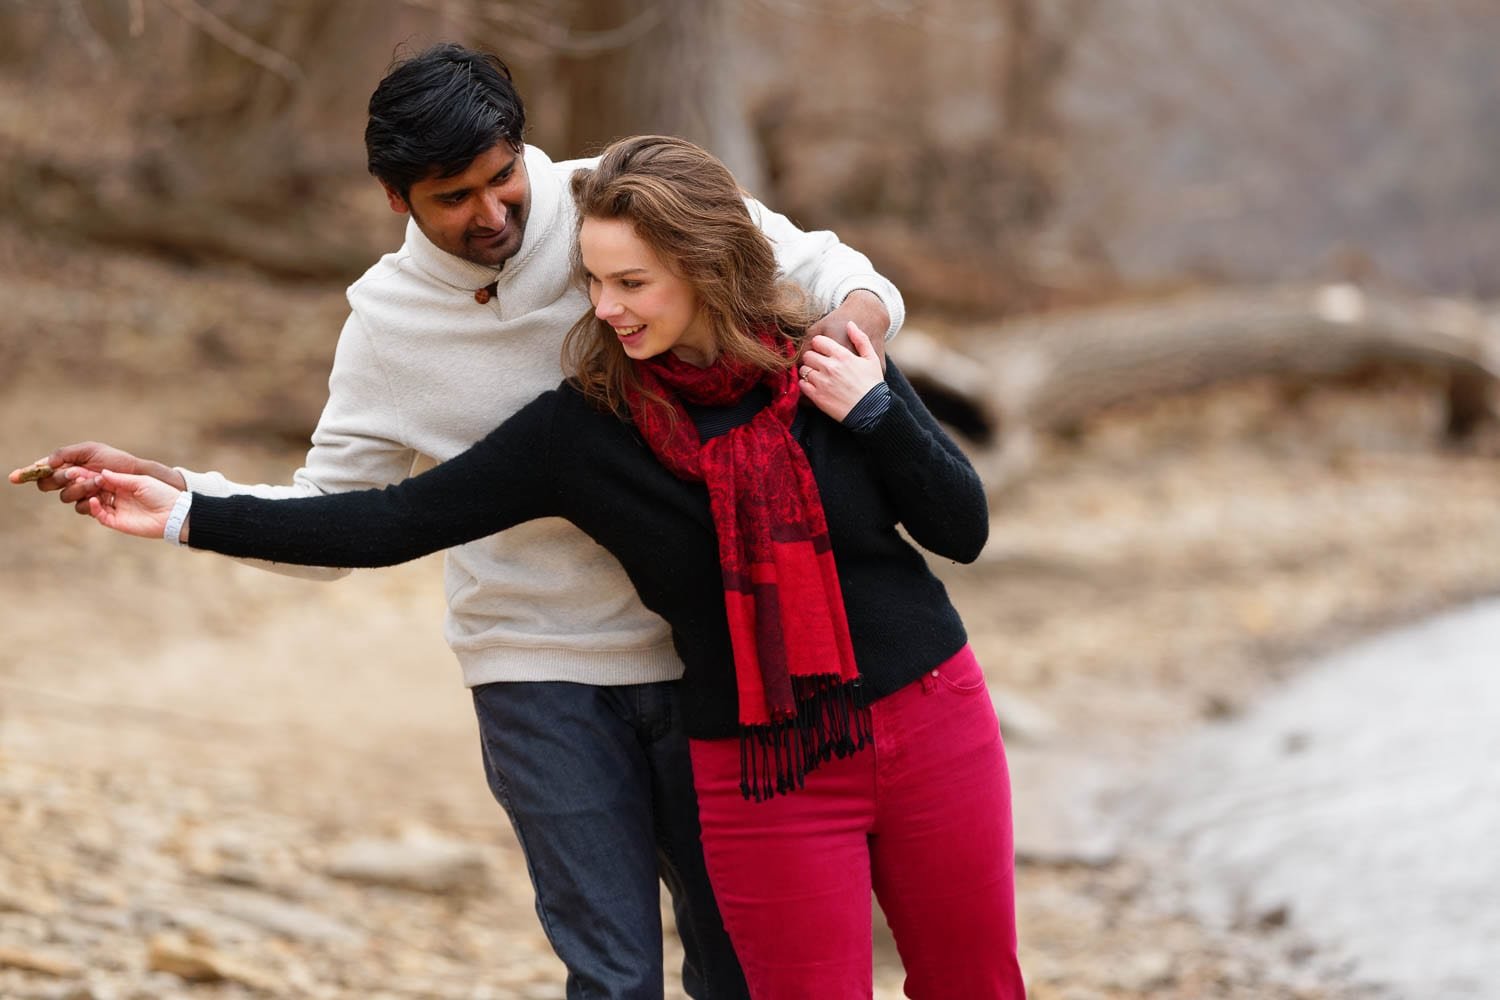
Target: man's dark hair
436, 111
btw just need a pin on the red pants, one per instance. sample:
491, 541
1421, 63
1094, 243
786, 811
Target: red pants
922, 818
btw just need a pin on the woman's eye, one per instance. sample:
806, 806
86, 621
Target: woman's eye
631, 284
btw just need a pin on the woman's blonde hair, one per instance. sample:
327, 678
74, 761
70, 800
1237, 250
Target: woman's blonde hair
687, 207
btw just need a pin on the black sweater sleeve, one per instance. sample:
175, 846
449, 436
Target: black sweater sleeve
936, 492
502, 481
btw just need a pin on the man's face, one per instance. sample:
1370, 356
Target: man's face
480, 214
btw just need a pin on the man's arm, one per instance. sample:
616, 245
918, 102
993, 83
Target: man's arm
839, 278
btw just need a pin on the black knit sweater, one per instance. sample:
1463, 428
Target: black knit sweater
559, 456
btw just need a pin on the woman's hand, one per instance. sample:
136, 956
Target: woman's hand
134, 505
834, 377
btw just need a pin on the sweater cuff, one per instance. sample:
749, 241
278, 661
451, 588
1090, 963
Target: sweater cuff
882, 289
866, 413
896, 436
173, 531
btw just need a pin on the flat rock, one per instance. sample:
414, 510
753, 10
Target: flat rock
35, 903
425, 864
201, 963
287, 920
37, 961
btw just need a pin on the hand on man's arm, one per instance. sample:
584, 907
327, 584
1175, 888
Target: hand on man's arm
835, 378
865, 310
73, 467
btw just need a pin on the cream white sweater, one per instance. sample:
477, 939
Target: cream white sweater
422, 371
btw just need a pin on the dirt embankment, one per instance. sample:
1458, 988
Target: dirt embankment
191, 750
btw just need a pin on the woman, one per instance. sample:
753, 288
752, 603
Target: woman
843, 737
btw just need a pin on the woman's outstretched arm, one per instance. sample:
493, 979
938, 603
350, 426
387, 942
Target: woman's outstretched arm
501, 481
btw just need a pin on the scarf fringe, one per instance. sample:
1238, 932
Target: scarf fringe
776, 758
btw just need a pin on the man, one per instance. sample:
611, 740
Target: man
571, 676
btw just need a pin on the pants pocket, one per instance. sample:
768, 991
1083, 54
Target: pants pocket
961, 673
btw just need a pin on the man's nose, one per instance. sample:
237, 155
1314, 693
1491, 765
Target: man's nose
492, 212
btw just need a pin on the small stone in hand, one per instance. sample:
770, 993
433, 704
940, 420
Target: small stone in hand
32, 473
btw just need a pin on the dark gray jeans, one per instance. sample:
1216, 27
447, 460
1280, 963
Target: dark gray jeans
598, 785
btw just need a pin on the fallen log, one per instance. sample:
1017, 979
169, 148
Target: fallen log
1001, 386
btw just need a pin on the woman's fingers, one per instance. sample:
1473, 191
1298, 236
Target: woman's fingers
100, 511
861, 342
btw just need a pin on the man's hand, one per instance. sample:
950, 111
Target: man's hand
834, 378
865, 310
74, 469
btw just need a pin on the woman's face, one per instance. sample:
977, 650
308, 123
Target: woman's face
648, 305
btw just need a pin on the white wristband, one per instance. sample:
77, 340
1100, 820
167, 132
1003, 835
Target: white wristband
178, 515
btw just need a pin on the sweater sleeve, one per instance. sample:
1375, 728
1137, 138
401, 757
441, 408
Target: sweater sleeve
505, 479
823, 265
936, 492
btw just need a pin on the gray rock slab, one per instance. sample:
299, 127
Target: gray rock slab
426, 864
1360, 806
288, 920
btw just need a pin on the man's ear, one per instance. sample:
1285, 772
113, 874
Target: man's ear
394, 199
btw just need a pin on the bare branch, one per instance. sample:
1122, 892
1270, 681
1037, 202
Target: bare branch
542, 28
587, 43
909, 12
78, 22
235, 40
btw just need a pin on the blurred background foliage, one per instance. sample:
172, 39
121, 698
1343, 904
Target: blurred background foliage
992, 157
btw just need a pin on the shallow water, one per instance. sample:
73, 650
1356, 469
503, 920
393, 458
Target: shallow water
1360, 804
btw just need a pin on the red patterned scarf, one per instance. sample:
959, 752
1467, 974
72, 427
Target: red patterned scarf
793, 662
